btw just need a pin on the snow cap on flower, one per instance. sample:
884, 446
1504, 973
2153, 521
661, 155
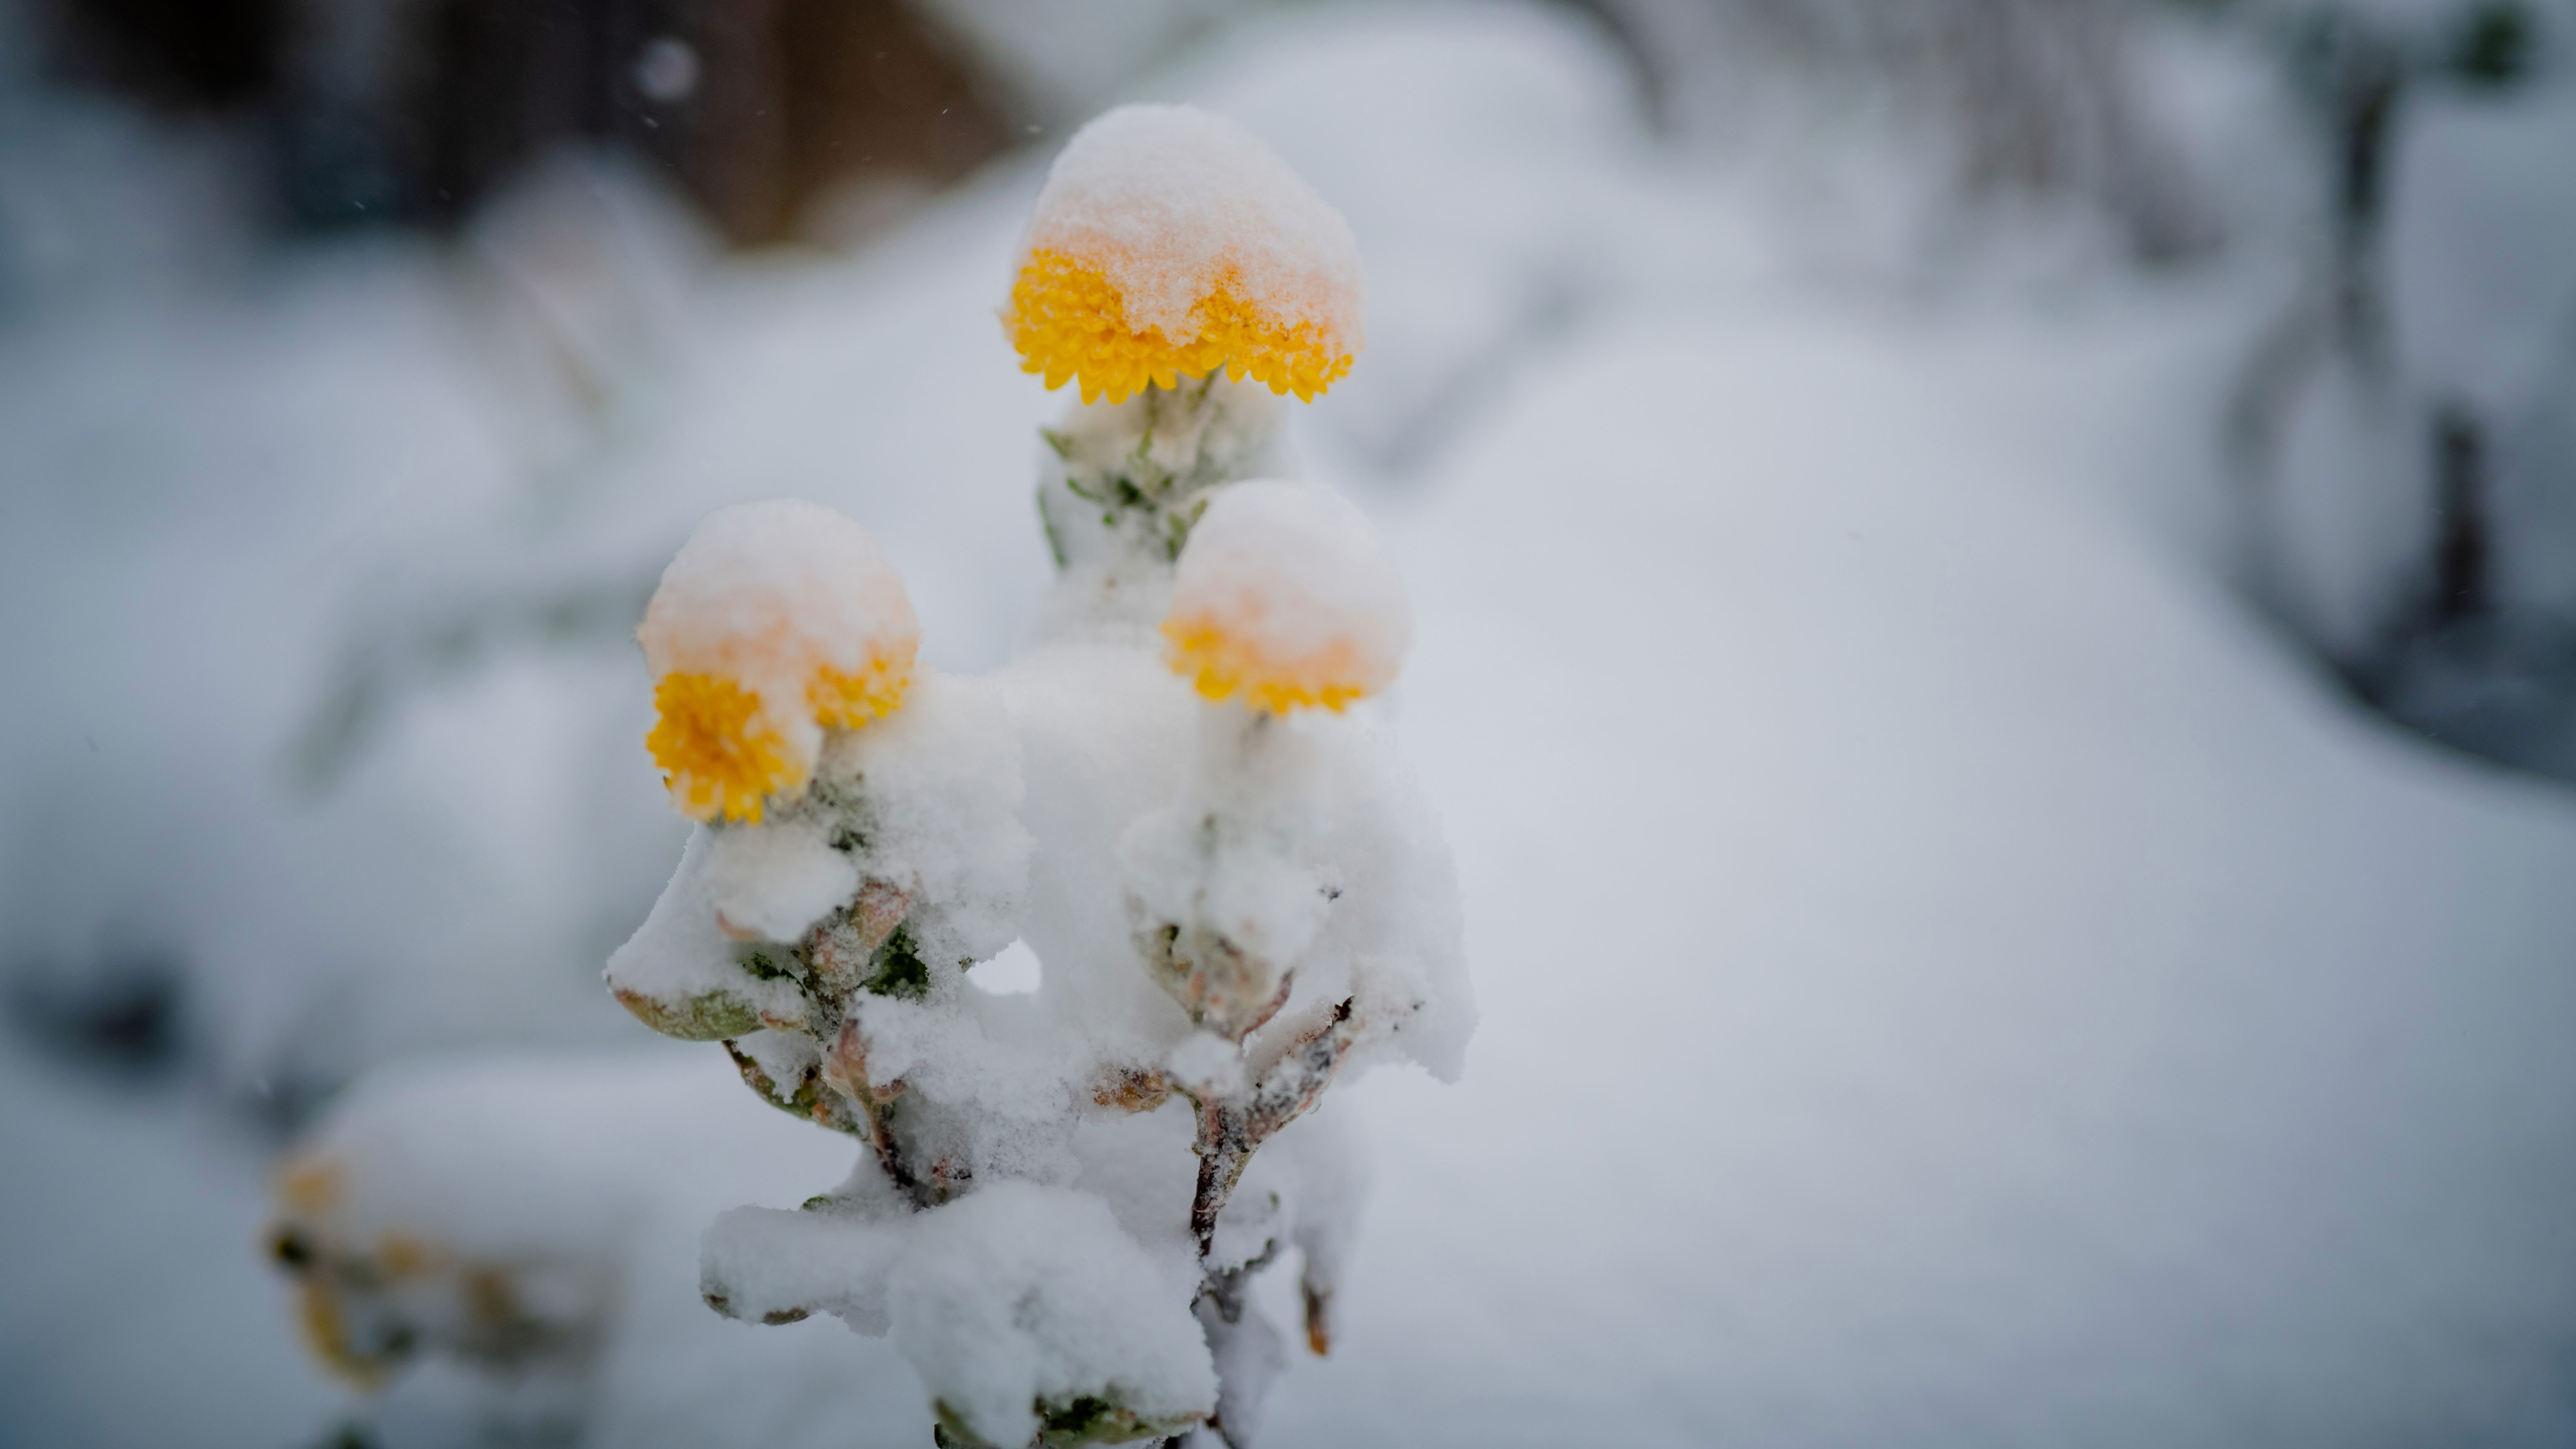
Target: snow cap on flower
775, 621
1284, 598
1170, 242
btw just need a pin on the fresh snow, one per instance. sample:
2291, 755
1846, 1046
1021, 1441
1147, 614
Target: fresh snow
1171, 202
1946, 974
1295, 578
765, 596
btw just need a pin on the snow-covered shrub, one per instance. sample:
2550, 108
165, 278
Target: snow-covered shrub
1176, 796
425, 1217
1990, 100
497, 1247
2403, 430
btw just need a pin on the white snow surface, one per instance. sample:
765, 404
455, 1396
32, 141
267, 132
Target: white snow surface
942, 783
1168, 200
1205, 1064
2481, 280
681, 950
775, 882
1105, 729
1294, 575
1327, 860
1966, 988
450, 1152
1016, 1293
1946, 975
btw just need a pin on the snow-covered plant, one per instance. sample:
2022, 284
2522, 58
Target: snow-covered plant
430, 1218
494, 1247
397, 1255
1169, 243
2404, 432
1174, 797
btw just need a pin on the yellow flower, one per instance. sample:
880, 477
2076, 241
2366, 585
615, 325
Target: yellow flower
324, 1326
1067, 322
1284, 599
775, 622
717, 756
847, 701
1222, 665
1169, 243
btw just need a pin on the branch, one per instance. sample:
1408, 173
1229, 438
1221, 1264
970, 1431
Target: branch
1232, 1129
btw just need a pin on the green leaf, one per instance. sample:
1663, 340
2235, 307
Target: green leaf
897, 969
707, 1016
1064, 1424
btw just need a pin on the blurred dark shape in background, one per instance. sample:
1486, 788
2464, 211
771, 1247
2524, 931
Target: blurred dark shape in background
125, 1012
2404, 435
413, 110
179, 55
2039, 97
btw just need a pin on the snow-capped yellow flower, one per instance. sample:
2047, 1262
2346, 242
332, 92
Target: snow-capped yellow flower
1168, 243
1284, 599
775, 621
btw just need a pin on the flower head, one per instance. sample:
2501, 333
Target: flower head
1284, 598
776, 621
1169, 243
348, 1280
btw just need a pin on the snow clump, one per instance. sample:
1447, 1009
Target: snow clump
1031, 1315
1169, 242
1285, 598
776, 620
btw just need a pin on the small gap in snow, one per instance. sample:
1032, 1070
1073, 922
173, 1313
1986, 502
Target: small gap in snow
1013, 972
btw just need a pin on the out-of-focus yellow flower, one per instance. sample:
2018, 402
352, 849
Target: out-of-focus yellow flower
310, 1189
776, 621
1284, 599
1225, 665
309, 1184
324, 1327
847, 701
1170, 243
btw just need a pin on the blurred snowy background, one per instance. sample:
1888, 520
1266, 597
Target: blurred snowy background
1997, 637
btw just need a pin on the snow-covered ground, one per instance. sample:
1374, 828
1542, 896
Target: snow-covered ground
1948, 975
1945, 979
